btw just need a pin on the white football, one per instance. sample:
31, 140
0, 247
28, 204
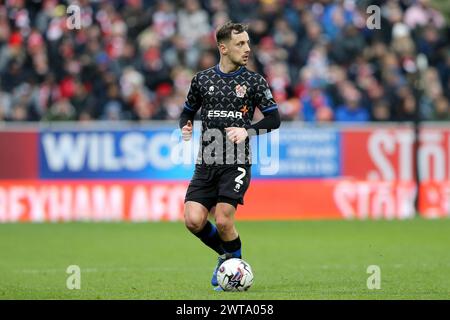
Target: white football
235, 275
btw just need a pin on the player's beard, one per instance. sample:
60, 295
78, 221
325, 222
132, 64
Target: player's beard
239, 62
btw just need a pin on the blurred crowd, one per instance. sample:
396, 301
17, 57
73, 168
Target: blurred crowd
134, 59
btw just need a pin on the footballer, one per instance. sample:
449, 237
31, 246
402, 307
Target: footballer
227, 95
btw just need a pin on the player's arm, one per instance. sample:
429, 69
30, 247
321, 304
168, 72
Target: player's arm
264, 100
271, 121
186, 126
190, 108
186, 117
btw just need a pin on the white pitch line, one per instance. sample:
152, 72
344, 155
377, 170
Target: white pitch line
107, 269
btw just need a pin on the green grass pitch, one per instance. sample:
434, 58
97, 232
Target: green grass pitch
291, 260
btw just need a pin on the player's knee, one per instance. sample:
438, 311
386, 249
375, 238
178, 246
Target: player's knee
224, 224
194, 223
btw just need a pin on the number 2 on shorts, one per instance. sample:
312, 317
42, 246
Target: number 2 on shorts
239, 177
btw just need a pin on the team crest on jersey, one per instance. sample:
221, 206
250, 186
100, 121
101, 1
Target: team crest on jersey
241, 90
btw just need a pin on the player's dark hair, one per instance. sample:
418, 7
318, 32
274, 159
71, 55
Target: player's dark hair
224, 32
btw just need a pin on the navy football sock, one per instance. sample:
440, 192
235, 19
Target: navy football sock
210, 237
233, 247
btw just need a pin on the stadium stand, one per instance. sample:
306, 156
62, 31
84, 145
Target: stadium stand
134, 59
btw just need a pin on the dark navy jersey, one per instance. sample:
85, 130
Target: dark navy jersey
227, 100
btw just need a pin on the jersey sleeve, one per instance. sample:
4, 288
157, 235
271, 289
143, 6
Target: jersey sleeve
263, 97
194, 99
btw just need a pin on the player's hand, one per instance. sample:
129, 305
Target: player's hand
186, 131
236, 135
